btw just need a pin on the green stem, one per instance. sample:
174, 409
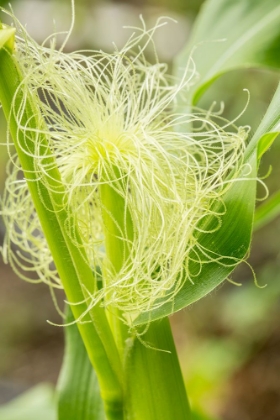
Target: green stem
154, 383
71, 264
118, 230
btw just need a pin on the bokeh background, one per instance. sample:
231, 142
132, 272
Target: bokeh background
228, 342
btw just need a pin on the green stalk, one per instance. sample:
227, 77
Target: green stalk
155, 386
153, 379
117, 223
71, 264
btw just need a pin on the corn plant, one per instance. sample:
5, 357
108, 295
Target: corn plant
127, 196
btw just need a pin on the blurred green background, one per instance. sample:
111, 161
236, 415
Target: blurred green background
229, 342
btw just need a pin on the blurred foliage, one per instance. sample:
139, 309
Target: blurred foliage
3, 3
224, 333
38, 401
3, 154
181, 6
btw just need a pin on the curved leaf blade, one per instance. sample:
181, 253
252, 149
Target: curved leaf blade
232, 241
230, 35
234, 237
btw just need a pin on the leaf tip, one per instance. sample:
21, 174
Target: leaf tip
7, 37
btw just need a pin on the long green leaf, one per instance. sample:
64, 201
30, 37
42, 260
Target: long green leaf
234, 236
232, 240
232, 34
78, 390
71, 265
155, 387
